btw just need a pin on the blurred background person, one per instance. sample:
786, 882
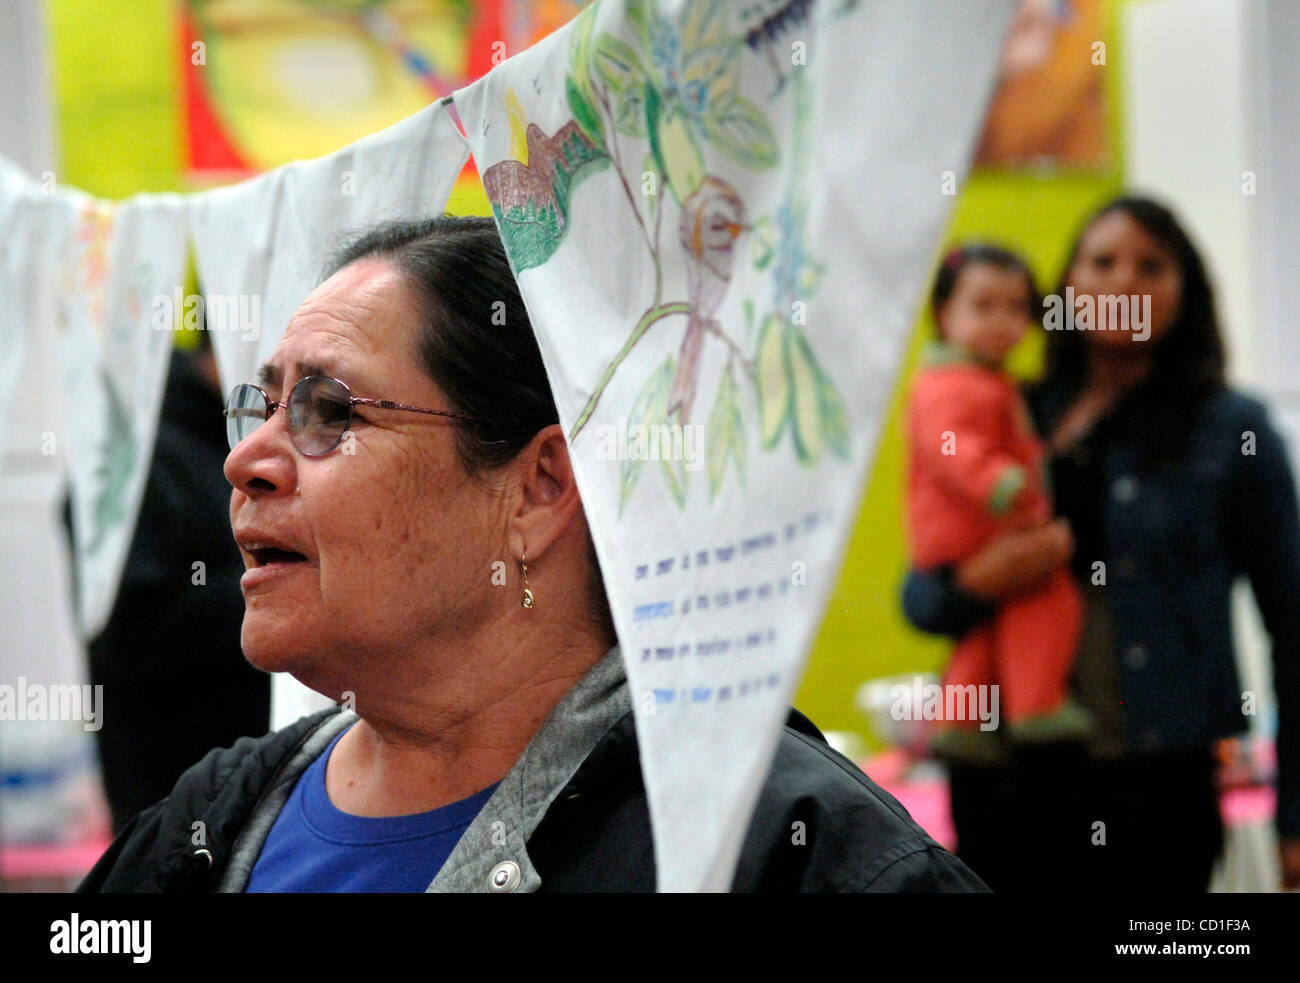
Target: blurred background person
1173, 484
975, 472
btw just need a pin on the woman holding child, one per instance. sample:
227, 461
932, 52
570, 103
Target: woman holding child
1167, 485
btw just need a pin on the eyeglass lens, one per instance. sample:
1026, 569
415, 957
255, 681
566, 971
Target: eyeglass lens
320, 410
246, 410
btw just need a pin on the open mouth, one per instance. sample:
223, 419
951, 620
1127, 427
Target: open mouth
267, 556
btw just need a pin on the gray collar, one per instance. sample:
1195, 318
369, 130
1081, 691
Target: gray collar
491, 855
251, 839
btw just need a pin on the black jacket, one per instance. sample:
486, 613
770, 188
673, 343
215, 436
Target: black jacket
595, 835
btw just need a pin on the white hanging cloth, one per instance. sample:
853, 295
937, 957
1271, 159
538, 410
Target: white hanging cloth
720, 220
120, 264
261, 245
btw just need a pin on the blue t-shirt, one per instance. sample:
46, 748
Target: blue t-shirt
313, 847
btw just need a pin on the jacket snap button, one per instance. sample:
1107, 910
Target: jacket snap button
1125, 489
206, 855
504, 877
1136, 657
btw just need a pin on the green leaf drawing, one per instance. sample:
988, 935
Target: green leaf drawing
578, 85
639, 14
805, 396
629, 113
726, 434
739, 437
674, 146
584, 113
793, 388
620, 68
747, 305
835, 422
650, 408
618, 64
580, 48
713, 72
703, 24
741, 132
651, 166
113, 469
772, 381
764, 242
719, 437
677, 477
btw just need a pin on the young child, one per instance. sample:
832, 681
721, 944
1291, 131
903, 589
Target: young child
976, 471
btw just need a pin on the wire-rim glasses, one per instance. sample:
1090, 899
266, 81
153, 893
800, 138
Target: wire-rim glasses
320, 412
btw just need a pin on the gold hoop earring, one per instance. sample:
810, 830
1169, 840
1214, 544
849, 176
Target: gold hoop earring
528, 594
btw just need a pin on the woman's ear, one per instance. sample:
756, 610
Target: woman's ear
548, 496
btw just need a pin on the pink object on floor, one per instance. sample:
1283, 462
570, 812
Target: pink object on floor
1248, 805
926, 800
928, 803
51, 860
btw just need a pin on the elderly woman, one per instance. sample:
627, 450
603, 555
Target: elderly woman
400, 457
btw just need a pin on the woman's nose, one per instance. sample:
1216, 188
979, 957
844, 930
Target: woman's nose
263, 462
1125, 279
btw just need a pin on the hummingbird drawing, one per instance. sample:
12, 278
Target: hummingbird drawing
713, 216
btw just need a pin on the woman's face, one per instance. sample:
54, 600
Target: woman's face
1118, 258
397, 540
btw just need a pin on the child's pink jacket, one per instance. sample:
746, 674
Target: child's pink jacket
975, 463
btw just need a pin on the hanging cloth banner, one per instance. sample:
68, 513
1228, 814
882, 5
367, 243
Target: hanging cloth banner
119, 266
261, 247
720, 221
18, 261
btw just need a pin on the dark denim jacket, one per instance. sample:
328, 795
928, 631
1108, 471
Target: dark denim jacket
1175, 539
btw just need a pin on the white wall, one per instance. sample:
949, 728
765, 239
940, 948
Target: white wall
1275, 75
1188, 138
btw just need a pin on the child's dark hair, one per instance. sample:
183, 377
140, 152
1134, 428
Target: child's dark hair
959, 257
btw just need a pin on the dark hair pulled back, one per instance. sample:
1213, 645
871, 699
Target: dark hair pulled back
475, 341
474, 338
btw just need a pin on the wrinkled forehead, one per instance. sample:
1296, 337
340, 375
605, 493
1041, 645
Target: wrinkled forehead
356, 326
